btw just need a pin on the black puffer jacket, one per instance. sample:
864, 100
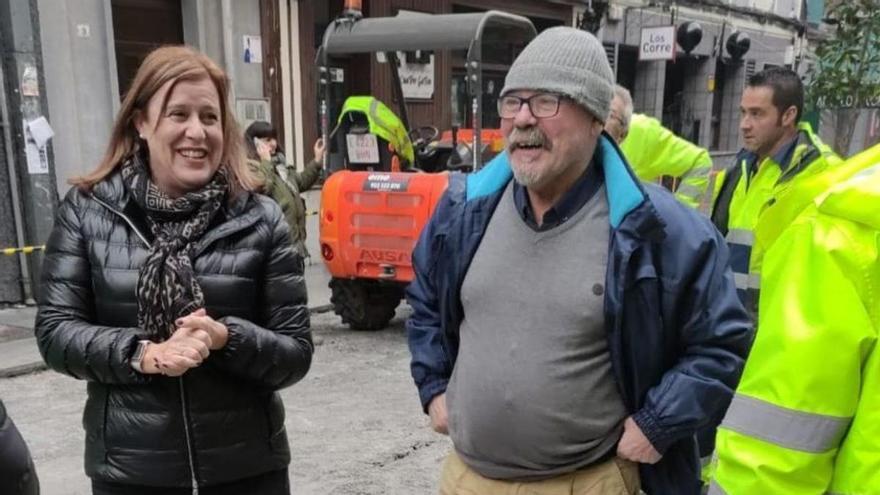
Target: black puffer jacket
223, 420
17, 474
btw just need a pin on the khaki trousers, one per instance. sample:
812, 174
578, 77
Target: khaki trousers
613, 477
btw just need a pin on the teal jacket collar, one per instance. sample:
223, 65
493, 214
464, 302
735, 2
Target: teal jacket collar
621, 187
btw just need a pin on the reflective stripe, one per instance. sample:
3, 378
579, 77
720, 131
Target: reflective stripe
694, 184
740, 236
689, 191
788, 428
715, 489
686, 187
708, 199
374, 114
747, 281
868, 172
700, 172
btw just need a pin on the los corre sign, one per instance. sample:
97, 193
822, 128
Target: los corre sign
657, 43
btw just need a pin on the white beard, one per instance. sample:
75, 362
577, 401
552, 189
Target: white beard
526, 177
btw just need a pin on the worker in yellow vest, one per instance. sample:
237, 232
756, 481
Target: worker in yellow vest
654, 151
778, 154
806, 415
782, 167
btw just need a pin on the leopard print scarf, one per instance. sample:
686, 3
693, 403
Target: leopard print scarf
167, 288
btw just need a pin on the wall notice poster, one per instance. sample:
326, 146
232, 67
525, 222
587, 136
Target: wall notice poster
37, 135
30, 84
253, 49
417, 79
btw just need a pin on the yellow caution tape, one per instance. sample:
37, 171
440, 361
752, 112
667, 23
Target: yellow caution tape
25, 250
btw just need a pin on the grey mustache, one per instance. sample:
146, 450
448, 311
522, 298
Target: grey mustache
531, 136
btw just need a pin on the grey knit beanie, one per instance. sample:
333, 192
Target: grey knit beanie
567, 61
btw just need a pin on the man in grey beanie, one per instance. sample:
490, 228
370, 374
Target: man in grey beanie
571, 328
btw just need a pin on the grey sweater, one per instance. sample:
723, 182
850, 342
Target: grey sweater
532, 394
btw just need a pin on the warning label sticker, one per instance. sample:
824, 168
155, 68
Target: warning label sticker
386, 182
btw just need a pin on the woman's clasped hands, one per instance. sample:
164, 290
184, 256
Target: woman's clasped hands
197, 334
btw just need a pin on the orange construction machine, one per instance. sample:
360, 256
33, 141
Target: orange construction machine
385, 178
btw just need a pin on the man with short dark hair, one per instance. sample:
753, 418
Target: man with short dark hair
571, 327
780, 156
782, 167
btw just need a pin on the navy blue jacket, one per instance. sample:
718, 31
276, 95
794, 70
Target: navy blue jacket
677, 333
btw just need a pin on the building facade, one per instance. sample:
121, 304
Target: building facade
70, 61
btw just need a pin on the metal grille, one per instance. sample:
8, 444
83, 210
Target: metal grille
750, 68
611, 54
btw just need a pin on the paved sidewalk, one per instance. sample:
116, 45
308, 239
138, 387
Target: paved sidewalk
18, 348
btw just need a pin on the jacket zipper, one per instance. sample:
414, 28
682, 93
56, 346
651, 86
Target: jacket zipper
127, 220
189, 446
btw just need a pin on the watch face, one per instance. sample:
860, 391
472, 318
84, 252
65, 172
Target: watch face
138, 357
141, 349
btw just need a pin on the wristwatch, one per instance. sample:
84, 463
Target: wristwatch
139, 353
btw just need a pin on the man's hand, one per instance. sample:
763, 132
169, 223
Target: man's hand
439, 414
634, 445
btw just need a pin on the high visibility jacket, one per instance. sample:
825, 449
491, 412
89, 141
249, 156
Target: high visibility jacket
654, 151
806, 416
751, 191
383, 123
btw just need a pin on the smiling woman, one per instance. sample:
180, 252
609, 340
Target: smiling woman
151, 91
185, 138
162, 260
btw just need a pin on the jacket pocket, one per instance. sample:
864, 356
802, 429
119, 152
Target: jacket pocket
642, 273
643, 331
642, 291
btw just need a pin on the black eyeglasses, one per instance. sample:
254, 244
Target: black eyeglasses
542, 105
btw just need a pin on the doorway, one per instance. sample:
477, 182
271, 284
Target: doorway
139, 27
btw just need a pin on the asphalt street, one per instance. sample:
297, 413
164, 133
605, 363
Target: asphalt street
354, 423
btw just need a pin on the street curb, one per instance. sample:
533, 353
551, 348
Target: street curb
28, 368
24, 369
325, 308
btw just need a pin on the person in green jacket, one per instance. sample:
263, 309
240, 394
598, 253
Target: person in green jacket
806, 415
782, 167
654, 151
282, 182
